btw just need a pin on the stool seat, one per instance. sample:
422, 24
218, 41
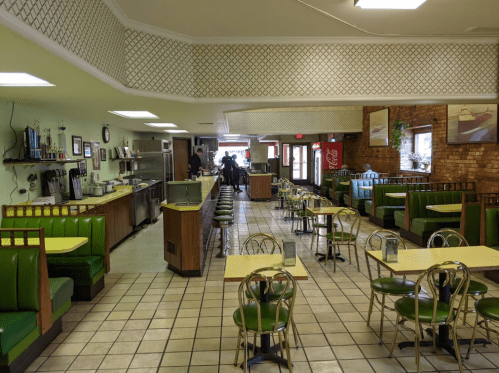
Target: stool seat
223, 212
223, 219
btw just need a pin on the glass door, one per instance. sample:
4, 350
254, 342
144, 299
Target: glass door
317, 167
300, 163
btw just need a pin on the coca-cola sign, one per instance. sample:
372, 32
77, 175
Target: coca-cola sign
331, 155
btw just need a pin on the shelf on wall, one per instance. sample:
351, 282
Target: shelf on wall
125, 159
35, 163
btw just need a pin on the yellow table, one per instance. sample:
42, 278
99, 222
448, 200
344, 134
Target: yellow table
345, 182
297, 198
329, 179
415, 261
53, 245
326, 210
238, 267
453, 207
396, 195
367, 187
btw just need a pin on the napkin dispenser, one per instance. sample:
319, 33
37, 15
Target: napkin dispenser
317, 204
288, 253
390, 249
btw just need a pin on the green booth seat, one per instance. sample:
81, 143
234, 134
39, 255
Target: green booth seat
85, 265
61, 291
399, 217
368, 205
492, 237
339, 190
383, 212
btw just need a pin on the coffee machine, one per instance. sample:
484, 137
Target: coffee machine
54, 185
75, 189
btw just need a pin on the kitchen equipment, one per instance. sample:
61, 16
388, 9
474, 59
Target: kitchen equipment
154, 199
109, 187
147, 197
75, 189
53, 184
184, 191
155, 162
140, 207
44, 201
143, 185
98, 190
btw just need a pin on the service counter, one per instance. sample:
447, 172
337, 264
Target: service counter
187, 229
259, 186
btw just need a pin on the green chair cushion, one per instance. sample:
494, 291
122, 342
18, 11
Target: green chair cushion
407, 307
268, 312
357, 202
275, 294
388, 211
223, 218
488, 307
304, 213
336, 236
15, 326
368, 205
224, 207
223, 212
420, 225
61, 290
475, 287
319, 225
393, 285
78, 268
399, 217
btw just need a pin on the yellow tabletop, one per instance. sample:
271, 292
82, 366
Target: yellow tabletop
367, 187
345, 182
396, 195
297, 198
53, 245
453, 207
285, 190
329, 179
327, 210
238, 267
477, 258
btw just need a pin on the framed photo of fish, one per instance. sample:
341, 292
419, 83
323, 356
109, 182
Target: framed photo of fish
471, 124
378, 128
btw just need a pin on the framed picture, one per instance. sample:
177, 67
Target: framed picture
95, 155
87, 150
378, 128
77, 145
119, 152
471, 124
103, 155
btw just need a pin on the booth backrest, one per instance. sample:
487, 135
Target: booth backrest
337, 187
419, 200
380, 198
92, 227
356, 192
19, 279
492, 227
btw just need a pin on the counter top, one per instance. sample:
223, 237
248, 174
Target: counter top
207, 183
250, 174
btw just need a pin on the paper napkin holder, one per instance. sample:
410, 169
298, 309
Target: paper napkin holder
390, 249
288, 253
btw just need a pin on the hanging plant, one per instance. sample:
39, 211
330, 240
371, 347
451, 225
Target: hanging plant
398, 133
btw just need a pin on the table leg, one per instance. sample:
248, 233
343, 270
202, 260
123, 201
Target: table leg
329, 224
305, 227
443, 340
265, 352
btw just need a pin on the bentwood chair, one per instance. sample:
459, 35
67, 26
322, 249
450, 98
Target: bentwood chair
258, 317
488, 310
450, 238
291, 205
428, 310
385, 286
318, 223
264, 243
346, 224
300, 214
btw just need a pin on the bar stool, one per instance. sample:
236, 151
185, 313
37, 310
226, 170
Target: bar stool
224, 207
223, 222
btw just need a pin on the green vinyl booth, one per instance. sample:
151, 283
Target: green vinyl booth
31, 304
357, 197
381, 208
87, 264
327, 186
338, 190
417, 223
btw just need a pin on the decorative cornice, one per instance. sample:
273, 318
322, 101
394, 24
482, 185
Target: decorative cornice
128, 23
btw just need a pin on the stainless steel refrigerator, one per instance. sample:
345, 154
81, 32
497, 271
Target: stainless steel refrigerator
155, 162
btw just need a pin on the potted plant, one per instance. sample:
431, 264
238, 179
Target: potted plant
398, 133
427, 163
416, 158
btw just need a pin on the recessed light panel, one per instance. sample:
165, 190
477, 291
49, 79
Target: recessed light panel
163, 125
22, 80
176, 131
134, 114
389, 4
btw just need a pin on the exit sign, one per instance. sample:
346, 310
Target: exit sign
299, 136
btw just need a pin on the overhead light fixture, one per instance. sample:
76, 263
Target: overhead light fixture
388, 4
231, 134
164, 125
22, 80
176, 131
134, 114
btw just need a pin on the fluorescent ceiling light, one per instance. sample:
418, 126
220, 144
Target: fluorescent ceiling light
22, 80
160, 124
231, 134
389, 4
134, 114
176, 131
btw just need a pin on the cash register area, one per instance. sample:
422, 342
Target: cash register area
148, 319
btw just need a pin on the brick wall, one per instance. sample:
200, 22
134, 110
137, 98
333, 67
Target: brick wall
470, 162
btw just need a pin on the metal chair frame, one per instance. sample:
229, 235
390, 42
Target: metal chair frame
451, 269
484, 324
315, 220
305, 199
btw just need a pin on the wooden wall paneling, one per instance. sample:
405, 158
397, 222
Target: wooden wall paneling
172, 238
181, 154
190, 228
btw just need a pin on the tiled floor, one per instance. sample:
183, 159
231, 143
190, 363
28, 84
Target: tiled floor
148, 319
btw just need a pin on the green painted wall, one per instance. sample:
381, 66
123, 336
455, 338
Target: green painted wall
25, 116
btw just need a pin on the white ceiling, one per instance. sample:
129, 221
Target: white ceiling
311, 18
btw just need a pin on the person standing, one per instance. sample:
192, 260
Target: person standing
235, 174
195, 163
226, 172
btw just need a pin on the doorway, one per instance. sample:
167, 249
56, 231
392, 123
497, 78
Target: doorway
299, 163
181, 154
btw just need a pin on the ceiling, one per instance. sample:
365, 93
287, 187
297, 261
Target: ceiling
311, 18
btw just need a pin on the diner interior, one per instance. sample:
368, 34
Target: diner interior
223, 186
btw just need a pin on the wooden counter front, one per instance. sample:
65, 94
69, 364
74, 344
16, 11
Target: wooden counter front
259, 186
186, 232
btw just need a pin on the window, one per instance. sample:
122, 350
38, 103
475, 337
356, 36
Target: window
271, 151
416, 152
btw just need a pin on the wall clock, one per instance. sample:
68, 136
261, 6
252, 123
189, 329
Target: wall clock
105, 135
